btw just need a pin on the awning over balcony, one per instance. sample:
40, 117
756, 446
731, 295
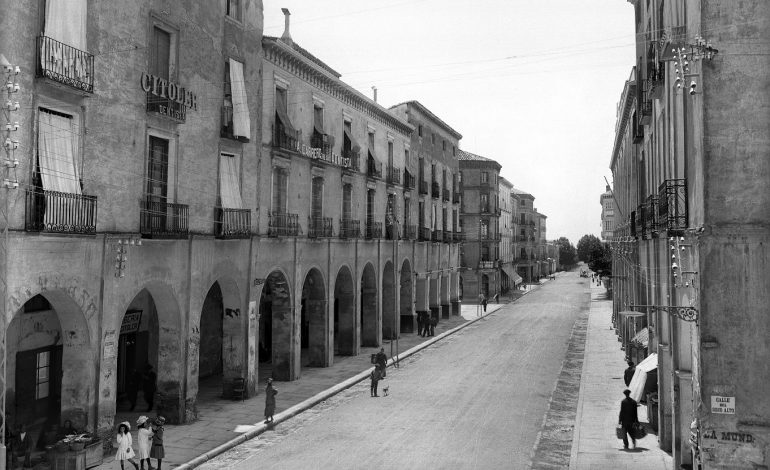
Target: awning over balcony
283, 116
65, 21
57, 152
229, 188
241, 121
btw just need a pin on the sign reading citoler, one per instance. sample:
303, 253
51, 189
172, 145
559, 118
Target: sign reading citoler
173, 99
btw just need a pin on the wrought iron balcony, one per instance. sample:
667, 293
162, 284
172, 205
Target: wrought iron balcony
321, 142
282, 140
447, 236
488, 264
54, 211
65, 64
650, 219
351, 160
410, 232
283, 224
456, 197
446, 194
160, 219
672, 206
409, 180
350, 228
373, 230
639, 220
227, 125
394, 175
435, 190
391, 231
459, 237
424, 235
319, 227
374, 169
437, 236
233, 223
423, 187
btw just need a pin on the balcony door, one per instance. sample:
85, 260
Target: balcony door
157, 182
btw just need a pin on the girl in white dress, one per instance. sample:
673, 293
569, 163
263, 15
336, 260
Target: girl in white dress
143, 441
125, 449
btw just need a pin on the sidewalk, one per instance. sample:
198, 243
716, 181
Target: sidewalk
594, 444
218, 417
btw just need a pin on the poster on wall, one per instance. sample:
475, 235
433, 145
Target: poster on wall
110, 344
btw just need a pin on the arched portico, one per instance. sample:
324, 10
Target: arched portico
369, 330
314, 325
276, 340
444, 295
50, 364
433, 298
389, 325
344, 314
406, 310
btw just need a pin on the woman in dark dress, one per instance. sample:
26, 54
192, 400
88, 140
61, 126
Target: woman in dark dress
270, 394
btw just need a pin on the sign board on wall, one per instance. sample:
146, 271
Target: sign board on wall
110, 344
722, 405
131, 321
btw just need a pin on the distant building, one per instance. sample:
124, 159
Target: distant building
508, 277
479, 221
608, 214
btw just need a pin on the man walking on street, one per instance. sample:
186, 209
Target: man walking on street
628, 417
629, 373
375, 377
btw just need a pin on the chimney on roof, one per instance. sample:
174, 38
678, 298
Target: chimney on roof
608, 188
374, 90
286, 36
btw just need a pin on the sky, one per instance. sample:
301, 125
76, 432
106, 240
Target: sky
531, 84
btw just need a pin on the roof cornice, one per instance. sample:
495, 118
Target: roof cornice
431, 116
627, 103
284, 56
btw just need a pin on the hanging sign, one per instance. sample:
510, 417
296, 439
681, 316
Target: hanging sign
131, 321
169, 98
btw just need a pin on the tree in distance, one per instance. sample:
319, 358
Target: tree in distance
567, 253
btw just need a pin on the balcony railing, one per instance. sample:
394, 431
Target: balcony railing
350, 228
65, 64
282, 224
486, 264
409, 180
351, 160
227, 125
166, 107
459, 237
374, 169
319, 227
650, 217
456, 197
54, 211
373, 230
410, 232
639, 220
446, 194
424, 235
672, 206
233, 223
394, 175
447, 236
423, 187
160, 219
437, 236
282, 140
435, 190
391, 231
644, 108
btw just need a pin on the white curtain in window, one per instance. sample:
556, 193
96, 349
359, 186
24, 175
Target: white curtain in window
241, 121
65, 21
229, 188
57, 153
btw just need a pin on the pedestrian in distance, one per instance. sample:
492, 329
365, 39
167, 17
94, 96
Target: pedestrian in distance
425, 324
382, 361
484, 303
433, 323
629, 373
628, 417
125, 445
143, 441
375, 377
149, 385
419, 323
270, 394
497, 298
158, 451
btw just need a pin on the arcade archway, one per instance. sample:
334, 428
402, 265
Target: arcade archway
369, 307
344, 314
389, 326
406, 310
313, 321
275, 330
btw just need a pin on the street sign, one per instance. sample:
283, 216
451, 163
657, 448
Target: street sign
722, 405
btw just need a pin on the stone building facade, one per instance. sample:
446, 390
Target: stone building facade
526, 237
480, 222
508, 277
690, 173
166, 218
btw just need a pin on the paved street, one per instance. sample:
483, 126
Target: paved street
474, 400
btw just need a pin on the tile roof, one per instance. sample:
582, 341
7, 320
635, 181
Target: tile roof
522, 193
463, 155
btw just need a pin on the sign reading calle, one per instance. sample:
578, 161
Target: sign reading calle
168, 98
722, 405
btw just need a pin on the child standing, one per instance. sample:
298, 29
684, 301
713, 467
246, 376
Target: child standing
125, 449
158, 451
143, 438
270, 394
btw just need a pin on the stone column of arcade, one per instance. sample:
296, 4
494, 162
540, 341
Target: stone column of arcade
433, 298
444, 295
